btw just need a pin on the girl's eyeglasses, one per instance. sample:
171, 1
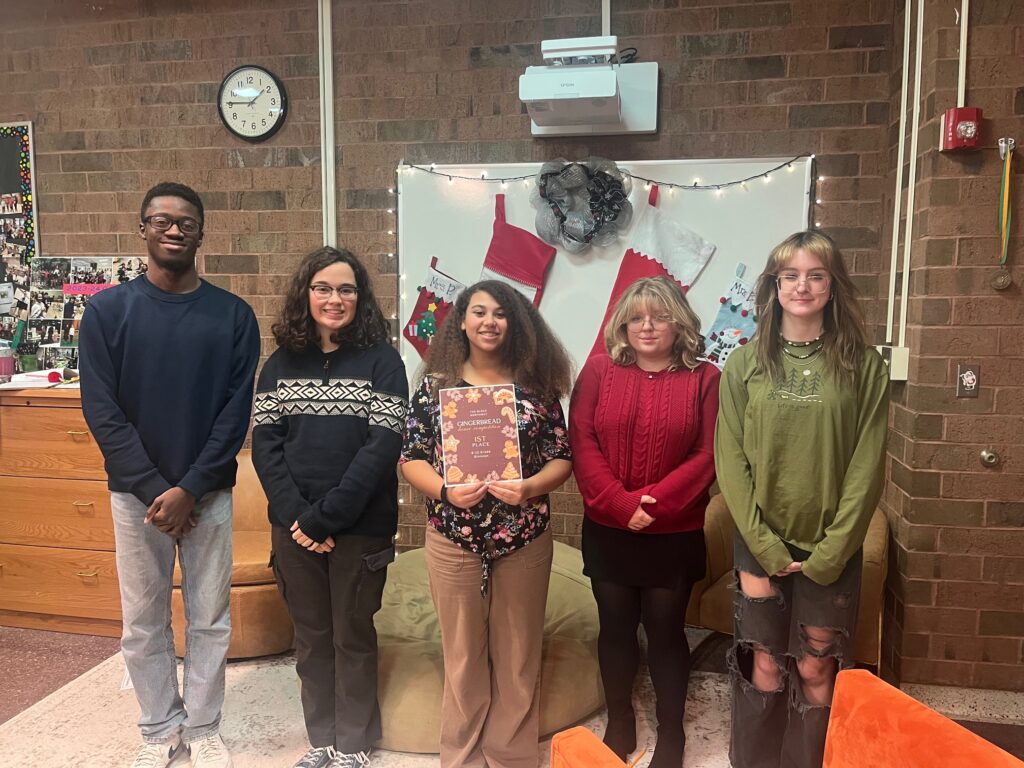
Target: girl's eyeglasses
815, 283
656, 321
323, 291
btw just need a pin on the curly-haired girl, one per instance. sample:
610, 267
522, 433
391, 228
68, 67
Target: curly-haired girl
487, 544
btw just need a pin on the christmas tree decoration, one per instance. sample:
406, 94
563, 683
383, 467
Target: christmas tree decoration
661, 248
516, 257
735, 322
436, 296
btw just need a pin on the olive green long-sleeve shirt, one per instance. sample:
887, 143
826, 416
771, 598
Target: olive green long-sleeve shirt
802, 461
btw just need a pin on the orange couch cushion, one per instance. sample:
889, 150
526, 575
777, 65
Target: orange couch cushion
874, 724
580, 747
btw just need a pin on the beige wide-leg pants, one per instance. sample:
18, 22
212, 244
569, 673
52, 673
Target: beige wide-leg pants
492, 652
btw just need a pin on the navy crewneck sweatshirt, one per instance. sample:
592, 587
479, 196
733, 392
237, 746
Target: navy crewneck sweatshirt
167, 382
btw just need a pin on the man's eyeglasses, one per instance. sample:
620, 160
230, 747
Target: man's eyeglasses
186, 224
788, 282
656, 321
323, 291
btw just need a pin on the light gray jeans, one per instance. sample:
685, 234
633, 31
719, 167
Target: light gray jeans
145, 568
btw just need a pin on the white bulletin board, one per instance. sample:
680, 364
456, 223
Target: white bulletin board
451, 220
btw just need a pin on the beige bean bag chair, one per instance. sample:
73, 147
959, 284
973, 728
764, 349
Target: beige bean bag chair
412, 669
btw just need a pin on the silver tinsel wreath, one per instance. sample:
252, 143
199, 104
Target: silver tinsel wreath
582, 204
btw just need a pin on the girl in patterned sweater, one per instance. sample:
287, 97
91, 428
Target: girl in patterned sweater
330, 409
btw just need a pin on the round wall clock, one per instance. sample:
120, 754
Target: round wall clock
252, 103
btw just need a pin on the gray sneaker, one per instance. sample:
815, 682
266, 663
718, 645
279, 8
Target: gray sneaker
350, 760
162, 754
316, 757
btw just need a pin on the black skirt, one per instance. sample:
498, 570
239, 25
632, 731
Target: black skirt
621, 556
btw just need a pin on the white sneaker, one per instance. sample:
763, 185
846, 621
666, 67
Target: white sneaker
350, 760
162, 754
210, 752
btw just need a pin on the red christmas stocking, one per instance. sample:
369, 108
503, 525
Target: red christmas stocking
436, 296
516, 257
661, 248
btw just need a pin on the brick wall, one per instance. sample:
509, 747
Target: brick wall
955, 603
122, 96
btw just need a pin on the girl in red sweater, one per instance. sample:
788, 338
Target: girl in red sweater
641, 426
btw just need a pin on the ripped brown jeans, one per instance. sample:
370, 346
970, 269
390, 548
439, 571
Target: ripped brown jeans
798, 626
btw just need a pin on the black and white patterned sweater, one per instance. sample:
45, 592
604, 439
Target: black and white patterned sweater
327, 433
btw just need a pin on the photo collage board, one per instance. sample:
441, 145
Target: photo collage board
18, 236
61, 287
43, 297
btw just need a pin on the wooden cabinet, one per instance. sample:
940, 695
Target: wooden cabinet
57, 566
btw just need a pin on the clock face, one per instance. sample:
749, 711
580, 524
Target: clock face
252, 103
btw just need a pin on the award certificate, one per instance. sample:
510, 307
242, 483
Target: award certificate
479, 434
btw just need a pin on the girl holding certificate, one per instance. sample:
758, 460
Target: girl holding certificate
642, 425
800, 451
327, 432
487, 545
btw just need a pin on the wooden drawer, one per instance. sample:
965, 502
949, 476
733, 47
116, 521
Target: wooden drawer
62, 582
44, 441
56, 513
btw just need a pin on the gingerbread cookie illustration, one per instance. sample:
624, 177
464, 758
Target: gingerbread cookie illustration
503, 396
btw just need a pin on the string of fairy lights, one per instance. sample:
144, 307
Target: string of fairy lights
697, 185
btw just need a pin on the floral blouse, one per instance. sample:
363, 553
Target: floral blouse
492, 528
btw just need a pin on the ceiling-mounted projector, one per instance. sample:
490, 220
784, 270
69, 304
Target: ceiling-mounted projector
581, 92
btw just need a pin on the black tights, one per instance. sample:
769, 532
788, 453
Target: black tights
663, 613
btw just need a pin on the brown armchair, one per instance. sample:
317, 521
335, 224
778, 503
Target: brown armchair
711, 604
260, 625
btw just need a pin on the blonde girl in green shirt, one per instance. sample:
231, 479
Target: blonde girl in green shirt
800, 452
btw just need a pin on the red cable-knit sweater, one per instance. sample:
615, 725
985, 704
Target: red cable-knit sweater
635, 433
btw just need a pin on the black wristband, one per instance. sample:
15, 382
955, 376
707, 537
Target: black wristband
444, 495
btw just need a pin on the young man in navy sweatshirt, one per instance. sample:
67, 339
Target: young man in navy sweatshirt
167, 366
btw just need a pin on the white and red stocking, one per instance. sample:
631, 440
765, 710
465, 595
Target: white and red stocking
435, 299
735, 322
661, 247
516, 257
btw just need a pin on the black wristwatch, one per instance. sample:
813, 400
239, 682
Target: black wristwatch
444, 495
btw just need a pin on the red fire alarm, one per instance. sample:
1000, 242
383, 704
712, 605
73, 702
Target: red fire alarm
960, 128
